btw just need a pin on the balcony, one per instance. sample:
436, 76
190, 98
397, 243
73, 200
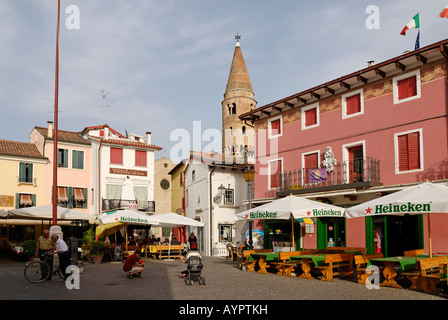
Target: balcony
358, 173
145, 206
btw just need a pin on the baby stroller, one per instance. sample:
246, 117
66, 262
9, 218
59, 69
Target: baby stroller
194, 268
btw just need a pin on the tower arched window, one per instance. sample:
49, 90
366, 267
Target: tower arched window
233, 109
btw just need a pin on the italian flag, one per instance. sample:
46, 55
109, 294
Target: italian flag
414, 23
444, 13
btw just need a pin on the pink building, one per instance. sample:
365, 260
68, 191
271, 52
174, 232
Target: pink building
355, 138
73, 166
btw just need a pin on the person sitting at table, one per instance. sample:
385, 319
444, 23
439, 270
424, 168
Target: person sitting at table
134, 266
175, 241
166, 242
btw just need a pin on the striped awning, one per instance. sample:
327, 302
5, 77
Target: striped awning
26, 200
62, 194
78, 194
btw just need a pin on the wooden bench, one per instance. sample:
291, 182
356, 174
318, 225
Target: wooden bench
339, 264
361, 262
346, 250
173, 251
284, 266
249, 264
431, 273
414, 253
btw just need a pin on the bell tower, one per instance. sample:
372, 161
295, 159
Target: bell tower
238, 137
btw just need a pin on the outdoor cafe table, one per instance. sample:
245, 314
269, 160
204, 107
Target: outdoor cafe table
317, 259
263, 258
405, 263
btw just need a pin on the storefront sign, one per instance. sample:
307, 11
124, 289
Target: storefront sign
399, 208
128, 172
6, 201
134, 220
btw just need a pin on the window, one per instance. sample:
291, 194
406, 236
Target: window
310, 161
275, 167
165, 184
62, 197
26, 200
26, 172
140, 158
310, 116
275, 127
408, 151
407, 87
232, 108
63, 158
352, 104
228, 197
77, 159
79, 198
116, 156
225, 232
193, 175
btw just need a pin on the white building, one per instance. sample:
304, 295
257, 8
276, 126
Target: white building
214, 193
122, 174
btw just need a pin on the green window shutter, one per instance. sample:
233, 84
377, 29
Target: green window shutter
74, 159
30, 173
84, 191
33, 198
321, 234
17, 200
369, 235
70, 203
77, 159
65, 158
22, 172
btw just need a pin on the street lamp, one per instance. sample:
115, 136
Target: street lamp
249, 174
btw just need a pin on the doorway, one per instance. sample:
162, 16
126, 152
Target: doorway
356, 164
330, 232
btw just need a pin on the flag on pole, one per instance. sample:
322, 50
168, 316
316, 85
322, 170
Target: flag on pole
444, 13
414, 23
417, 41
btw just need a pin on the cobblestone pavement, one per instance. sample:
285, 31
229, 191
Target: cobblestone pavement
161, 281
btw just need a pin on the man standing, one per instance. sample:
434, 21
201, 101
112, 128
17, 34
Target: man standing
44, 245
134, 265
64, 255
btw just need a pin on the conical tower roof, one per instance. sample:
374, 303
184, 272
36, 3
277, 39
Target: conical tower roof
238, 77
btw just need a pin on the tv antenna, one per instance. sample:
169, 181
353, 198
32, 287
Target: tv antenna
104, 105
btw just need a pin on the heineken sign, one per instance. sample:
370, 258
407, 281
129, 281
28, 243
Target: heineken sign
399, 208
325, 213
133, 220
262, 215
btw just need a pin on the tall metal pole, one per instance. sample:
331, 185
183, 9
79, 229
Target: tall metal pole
251, 243
55, 135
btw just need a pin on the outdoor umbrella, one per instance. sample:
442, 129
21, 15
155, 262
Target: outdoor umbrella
426, 198
291, 207
116, 220
46, 212
174, 220
3, 213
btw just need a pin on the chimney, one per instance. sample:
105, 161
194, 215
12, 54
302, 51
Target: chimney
106, 131
148, 138
50, 129
370, 63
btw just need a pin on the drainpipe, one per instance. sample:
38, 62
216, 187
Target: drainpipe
211, 209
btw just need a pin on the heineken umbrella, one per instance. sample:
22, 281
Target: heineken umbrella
298, 207
426, 198
291, 206
119, 219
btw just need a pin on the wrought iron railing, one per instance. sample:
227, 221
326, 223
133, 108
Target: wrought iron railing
363, 171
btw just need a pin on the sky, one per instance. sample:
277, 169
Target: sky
164, 64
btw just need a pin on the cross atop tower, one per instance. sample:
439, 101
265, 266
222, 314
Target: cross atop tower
237, 37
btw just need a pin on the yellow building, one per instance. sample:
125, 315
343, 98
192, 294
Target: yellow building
178, 195
22, 175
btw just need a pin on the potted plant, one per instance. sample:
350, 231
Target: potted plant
29, 248
92, 249
97, 251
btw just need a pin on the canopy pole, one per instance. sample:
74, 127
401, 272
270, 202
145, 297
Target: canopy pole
429, 234
292, 232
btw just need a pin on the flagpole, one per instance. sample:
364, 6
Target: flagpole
55, 135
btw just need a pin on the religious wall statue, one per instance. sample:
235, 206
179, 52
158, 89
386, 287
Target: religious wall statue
329, 162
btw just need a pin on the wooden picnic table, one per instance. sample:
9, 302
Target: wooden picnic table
317, 259
405, 263
263, 258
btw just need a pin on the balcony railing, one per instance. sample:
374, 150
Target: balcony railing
146, 206
358, 173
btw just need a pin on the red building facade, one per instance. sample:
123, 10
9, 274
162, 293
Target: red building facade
356, 138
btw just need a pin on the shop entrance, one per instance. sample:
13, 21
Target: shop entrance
392, 235
278, 235
330, 232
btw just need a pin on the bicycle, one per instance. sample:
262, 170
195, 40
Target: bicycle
39, 271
